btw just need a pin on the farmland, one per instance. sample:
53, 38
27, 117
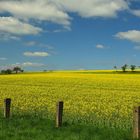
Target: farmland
100, 99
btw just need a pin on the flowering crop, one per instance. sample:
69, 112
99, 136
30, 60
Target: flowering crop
99, 99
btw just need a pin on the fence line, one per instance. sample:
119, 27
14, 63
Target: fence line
136, 122
7, 108
59, 116
59, 113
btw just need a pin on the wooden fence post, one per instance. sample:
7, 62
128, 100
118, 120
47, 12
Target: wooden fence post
59, 113
136, 122
7, 107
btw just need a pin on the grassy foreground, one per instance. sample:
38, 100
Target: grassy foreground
30, 128
97, 105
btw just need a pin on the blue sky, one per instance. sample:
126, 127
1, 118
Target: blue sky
59, 34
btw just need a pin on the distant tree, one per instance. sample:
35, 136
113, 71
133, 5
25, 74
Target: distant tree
132, 67
8, 71
124, 67
3, 71
115, 67
22, 71
17, 69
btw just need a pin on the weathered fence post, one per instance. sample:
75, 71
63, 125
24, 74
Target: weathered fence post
7, 108
59, 113
136, 122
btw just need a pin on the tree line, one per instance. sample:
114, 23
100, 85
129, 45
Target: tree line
125, 67
17, 69
12, 70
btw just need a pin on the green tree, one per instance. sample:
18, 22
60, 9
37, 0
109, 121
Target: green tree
3, 71
124, 67
8, 71
115, 67
17, 69
22, 71
132, 67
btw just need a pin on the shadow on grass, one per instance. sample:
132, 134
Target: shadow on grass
35, 128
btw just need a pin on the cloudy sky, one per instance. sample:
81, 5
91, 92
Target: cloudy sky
69, 34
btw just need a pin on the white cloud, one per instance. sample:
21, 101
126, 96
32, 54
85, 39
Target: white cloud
41, 45
7, 36
12, 37
38, 54
93, 8
132, 35
3, 58
31, 43
43, 10
136, 12
30, 64
99, 46
57, 11
24, 64
14, 26
49, 47
58, 30
137, 47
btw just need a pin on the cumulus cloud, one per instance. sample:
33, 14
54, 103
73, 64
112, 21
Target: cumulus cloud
136, 12
7, 36
3, 58
11, 25
99, 46
31, 43
57, 10
41, 45
24, 64
50, 49
137, 47
35, 43
132, 35
30, 64
44, 10
93, 8
38, 54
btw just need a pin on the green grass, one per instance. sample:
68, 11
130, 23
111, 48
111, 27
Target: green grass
33, 128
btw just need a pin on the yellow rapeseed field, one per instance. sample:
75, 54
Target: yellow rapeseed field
99, 99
